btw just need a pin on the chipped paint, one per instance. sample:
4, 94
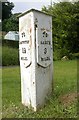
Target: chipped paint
35, 58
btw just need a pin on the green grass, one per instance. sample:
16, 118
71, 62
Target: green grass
64, 84
0, 93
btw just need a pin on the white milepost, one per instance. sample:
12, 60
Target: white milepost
36, 57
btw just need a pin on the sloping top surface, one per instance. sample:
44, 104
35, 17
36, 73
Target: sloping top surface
32, 10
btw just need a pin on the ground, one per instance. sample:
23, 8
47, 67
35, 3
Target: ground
61, 104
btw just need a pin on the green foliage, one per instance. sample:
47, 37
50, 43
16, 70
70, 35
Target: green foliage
59, 53
10, 21
56, 55
6, 9
74, 56
10, 52
64, 83
11, 24
10, 43
65, 21
10, 56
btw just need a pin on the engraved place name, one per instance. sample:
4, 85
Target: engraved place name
45, 42
45, 59
24, 42
24, 58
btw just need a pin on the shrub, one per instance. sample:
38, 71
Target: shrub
10, 56
74, 56
10, 43
59, 53
56, 55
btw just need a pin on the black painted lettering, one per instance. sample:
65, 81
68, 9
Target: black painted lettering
45, 42
24, 42
23, 50
45, 59
23, 34
45, 50
24, 58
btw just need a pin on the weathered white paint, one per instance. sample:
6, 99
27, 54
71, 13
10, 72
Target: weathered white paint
36, 60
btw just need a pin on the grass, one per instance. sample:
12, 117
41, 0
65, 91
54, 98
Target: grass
62, 102
0, 93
